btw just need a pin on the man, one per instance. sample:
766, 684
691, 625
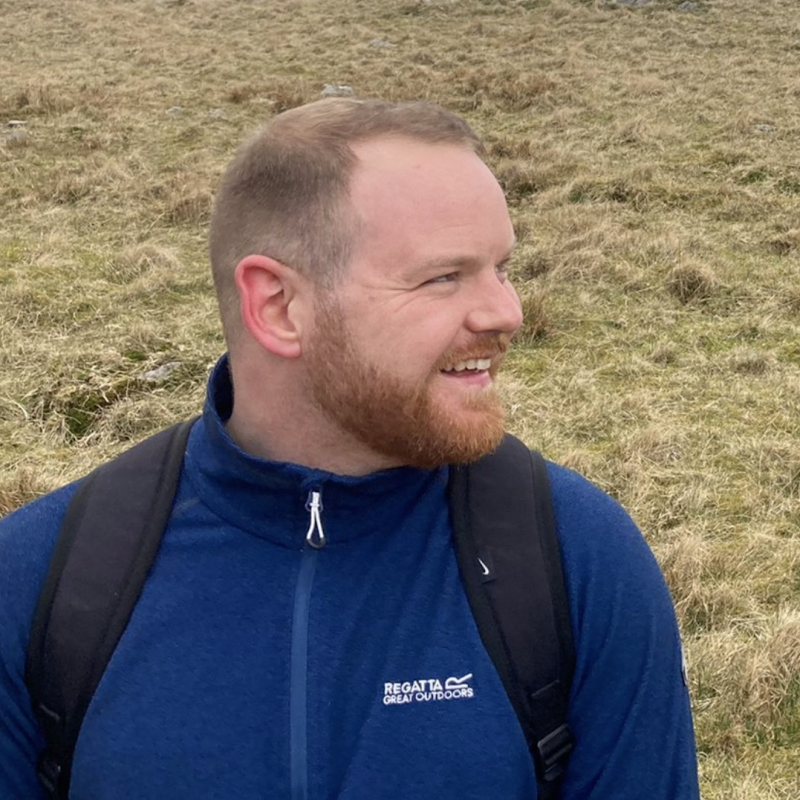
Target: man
359, 252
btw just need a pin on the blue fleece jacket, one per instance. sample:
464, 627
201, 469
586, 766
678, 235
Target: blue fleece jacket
257, 667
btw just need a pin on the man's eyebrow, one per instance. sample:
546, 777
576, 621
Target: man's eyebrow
456, 261
447, 262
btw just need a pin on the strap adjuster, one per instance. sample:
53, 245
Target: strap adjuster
553, 750
49, 771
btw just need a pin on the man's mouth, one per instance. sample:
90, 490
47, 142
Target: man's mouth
471, 365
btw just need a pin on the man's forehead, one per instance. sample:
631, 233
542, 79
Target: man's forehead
401, 156
419, 207
398, 171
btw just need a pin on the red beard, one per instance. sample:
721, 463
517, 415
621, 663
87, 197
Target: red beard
396, 419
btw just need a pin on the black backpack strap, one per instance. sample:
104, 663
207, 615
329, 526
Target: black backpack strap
108, 541
510, 561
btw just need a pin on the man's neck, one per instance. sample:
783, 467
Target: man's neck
299, 435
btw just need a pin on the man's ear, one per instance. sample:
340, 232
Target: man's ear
268, 294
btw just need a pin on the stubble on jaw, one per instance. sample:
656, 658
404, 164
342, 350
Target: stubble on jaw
392, 418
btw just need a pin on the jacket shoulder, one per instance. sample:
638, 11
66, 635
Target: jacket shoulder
629, 703
27, 537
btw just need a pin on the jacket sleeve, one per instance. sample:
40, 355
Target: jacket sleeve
26, 540
629, 705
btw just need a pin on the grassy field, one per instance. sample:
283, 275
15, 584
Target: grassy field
651, 159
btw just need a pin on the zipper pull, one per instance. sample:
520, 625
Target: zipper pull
315, 536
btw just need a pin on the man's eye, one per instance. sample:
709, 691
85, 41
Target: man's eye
450, 276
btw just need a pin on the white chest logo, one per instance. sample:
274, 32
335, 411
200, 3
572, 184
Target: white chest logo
426, 690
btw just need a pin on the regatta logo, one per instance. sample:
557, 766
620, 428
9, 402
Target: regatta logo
427, 690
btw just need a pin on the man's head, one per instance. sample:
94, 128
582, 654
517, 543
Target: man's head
286, 193
386, 312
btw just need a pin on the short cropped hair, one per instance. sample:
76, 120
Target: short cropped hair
285, 195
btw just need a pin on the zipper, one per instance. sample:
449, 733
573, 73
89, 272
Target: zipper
298, 692
315, 536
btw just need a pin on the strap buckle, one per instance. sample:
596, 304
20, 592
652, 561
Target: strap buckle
553, 750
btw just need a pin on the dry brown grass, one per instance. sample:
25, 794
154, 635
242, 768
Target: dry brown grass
650, 160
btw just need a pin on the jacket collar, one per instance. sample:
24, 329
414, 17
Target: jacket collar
268, 498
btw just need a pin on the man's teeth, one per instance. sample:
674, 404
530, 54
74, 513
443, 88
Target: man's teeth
472, 363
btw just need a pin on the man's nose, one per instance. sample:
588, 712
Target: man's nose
497, 307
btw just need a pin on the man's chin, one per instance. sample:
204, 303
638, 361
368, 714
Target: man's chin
461, 429
473, 451
458, 439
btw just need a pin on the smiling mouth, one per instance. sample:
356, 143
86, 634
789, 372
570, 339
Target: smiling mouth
470, 365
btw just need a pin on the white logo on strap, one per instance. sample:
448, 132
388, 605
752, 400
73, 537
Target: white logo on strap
426, 690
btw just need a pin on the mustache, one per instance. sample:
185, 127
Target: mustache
485, 345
